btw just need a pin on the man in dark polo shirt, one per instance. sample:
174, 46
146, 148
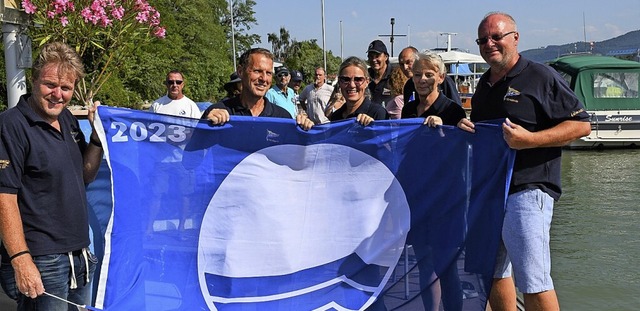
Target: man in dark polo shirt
45, 164
255, 69
380, 72
542, 114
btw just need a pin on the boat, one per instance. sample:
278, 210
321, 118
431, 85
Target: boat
608, 87
465, 69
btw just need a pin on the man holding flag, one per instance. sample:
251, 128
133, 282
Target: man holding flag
255, 69
45, 164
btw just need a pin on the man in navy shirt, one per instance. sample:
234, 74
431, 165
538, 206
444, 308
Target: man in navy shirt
255, 69
45, 164
380, 72
542, 114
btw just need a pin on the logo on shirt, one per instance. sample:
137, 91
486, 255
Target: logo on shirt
4, 164
74, 134
511, 95
182, 112
386, 91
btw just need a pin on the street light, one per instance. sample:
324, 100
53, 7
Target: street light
233, 35
393, 22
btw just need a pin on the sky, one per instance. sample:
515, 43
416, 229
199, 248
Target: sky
540, 22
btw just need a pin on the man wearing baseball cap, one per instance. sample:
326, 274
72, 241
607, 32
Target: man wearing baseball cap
280, 94
380, 72
295, 84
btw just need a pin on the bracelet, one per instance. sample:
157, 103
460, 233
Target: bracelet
95, 142
18, 254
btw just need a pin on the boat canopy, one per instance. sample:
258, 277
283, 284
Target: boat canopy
601, 82
453, 57
460, 70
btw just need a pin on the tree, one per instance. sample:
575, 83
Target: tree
279, 43
306, 56
104, 33
195, 44
243, 20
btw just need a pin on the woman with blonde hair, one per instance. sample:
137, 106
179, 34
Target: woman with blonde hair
353, 80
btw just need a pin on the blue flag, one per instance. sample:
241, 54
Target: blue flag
258, 214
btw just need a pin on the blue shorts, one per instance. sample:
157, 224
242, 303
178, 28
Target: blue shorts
525, 241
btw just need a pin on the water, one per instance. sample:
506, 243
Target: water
595, 236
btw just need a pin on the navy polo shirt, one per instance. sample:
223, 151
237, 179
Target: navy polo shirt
534, 96
235, 108
445, 108
367, 107
381, 92
44, 168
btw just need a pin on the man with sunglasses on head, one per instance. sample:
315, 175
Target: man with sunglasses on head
282, 95
175, 102
541, 114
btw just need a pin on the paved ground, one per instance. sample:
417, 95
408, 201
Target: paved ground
5, 302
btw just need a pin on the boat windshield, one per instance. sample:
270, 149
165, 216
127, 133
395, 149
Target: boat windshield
615, 85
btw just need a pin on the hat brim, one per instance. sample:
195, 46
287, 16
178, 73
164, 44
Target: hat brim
231, 83
379, 52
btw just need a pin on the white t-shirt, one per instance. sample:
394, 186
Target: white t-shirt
183, 107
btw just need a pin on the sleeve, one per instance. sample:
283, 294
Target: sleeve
195, 111
153, 106
563, 104
305, 94
12, 157
394, 107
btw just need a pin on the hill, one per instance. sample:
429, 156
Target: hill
627, 44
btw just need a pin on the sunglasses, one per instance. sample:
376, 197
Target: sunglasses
172, 82
347, 80
494, 38
284, 74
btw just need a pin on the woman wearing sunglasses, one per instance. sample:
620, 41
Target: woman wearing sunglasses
353, 80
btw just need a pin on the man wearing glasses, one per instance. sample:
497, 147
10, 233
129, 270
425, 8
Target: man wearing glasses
282, 95
541, 114
175, 103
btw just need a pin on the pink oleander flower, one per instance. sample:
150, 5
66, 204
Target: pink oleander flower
105, 21
29, 7
142, 17
160, 32
86, 14
155, 19
51, 14
64, 21
118, 13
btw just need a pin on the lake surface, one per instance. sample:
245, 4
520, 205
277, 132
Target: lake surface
595, 235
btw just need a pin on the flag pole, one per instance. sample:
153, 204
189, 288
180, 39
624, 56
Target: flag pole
324, 51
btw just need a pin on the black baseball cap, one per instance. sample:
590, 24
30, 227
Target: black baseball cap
296, 75
378, 47
282, 69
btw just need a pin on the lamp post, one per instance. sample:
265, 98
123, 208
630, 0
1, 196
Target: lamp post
324, 51
391, 36
233, 35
